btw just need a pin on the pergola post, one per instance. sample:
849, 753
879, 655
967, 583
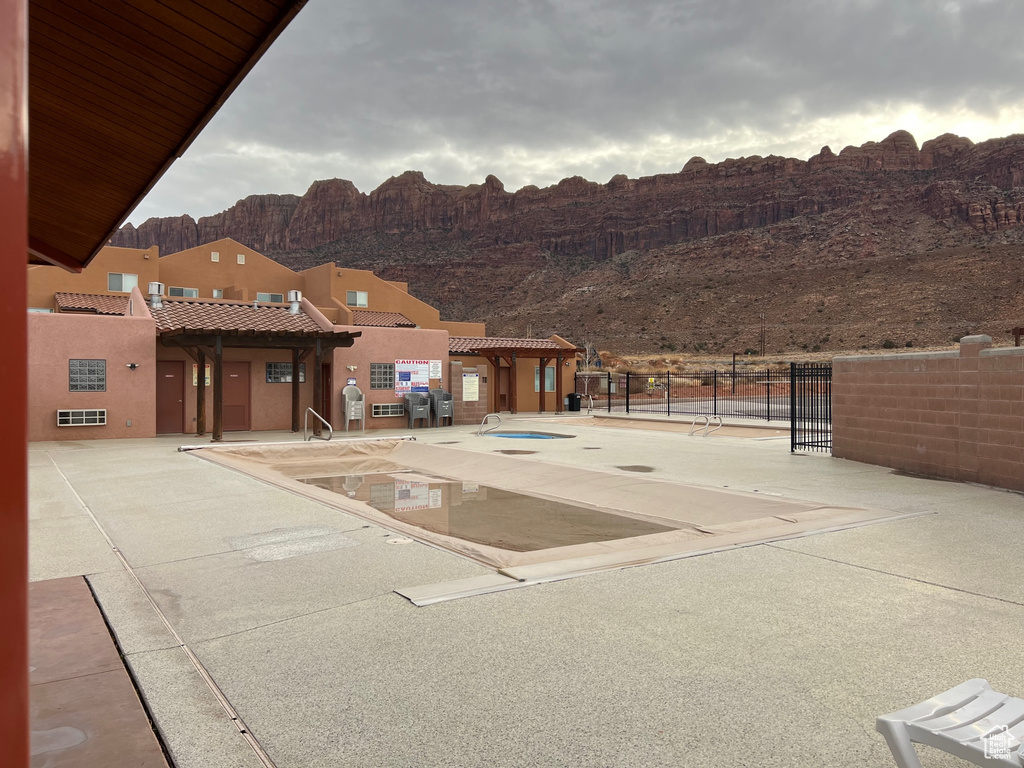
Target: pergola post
200, 392
542, 374
559, 397
318, 385
218, 391
295, 390
512, 400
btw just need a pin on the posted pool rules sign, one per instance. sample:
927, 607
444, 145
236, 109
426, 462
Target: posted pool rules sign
412, 376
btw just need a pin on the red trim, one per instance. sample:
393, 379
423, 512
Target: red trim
14, 711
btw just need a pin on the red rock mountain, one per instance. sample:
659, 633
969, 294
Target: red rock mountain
885, 243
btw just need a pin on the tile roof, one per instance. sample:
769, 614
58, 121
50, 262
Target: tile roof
199, 316
381, 319
100, 304
471, 344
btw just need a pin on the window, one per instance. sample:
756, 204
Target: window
214, 256
122, 283
39, 309
356, 298
241, 258
270, 297
186, 293
218, 293
382, 376
382, 495
87, 375
388, 409
281, 373
549, 379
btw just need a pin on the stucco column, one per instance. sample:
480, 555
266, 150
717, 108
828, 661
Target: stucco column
14, 718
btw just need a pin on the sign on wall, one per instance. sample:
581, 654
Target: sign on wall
412, 376
435, 369
195, 374
470, 387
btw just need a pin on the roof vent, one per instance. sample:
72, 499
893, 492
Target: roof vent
294, 297
255, 303
155, 292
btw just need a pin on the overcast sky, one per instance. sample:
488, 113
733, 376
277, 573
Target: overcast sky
533, 91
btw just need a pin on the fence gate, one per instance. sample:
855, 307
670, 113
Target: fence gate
810, 406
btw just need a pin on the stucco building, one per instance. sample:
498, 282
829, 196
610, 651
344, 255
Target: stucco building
110, 357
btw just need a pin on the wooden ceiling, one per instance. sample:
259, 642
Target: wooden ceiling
118, 89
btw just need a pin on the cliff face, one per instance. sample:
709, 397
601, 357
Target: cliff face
953, 191
952, 177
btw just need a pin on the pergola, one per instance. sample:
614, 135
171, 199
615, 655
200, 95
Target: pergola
200, 345
205, 328
510, 351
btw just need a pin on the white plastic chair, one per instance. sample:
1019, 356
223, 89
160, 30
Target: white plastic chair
354, 406
971, 721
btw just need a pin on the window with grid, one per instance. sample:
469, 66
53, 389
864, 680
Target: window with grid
382, 495
270, 297
281, 373
382, 375
120, 282
87, 375
184, 293
356, 298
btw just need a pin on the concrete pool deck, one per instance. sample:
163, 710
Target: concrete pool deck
776, 654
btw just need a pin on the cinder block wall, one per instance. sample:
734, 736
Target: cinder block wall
956, 415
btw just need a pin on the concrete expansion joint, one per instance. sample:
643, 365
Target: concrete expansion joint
898, 575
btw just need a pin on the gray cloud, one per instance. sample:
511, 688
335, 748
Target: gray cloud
535, 90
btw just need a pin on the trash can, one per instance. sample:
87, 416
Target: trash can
574, 401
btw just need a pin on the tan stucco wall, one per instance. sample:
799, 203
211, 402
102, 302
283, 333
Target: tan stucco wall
195, 268
130, 395
384, 345
43, 282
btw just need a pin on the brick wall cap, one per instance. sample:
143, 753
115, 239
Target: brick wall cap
999, 351
898, 356
979, 339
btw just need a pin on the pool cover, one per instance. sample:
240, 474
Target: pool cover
685, 518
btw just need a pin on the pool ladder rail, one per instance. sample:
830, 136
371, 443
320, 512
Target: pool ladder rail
707, 425
305, 427
481, 431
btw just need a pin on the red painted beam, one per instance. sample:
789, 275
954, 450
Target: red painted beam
14, 712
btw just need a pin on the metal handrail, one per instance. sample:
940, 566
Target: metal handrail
590, 408
481, 431
707, 425
305, 427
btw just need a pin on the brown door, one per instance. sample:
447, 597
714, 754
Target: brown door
170, 396
325, 405
236, 397
504, 376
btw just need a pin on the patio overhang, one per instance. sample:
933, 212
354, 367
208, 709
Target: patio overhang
201, 344
116, 93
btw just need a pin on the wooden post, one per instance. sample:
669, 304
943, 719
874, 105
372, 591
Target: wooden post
218, 391
200, 393
14, 700
318, 385
295, 390
512, 399
543, 379
559, 397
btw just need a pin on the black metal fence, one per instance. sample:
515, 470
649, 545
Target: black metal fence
801, 395
810, 426
760, 394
